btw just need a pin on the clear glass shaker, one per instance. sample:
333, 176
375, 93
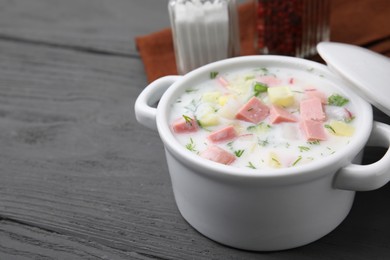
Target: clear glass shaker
203, 31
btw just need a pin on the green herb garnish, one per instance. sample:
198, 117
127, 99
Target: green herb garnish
188, 120
259, 127
262, 142
314, 142
303, 148
297, 160
259, 88
349, 119
199, 123
330, 128
264, 70
213, 74
193, 106
191, 90
238, 153
249, 77
337, 100
191, 146
250, 165
276, 161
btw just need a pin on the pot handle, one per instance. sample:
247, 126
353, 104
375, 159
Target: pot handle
144, 110
368, 177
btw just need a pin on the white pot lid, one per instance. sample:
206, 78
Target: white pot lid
368, 71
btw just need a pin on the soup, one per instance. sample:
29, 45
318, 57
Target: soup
263, 118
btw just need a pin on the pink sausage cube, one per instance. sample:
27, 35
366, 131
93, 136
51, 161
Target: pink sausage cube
269, 80
313, 130
224, 134
217, 154
312, 93
311, 109
279, 115
182, 125
253, 111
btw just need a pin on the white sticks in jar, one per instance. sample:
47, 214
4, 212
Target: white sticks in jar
202, 32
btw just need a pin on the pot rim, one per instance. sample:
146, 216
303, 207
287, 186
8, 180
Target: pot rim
341, 158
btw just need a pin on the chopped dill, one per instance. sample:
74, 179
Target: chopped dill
303, 148
188, 120
238, 153
330, 128
262, 142
191, 90
315, 142
191, 146
250, 165
213, 74
297, 160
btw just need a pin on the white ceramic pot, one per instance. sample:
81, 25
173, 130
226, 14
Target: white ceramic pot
265, 210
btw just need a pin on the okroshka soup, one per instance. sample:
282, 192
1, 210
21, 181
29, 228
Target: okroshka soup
263, 117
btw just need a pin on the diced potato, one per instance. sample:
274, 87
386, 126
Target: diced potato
340, 128
210, 119
212, 97
229, 110
225, 99
282, 96
222, 100
240, 86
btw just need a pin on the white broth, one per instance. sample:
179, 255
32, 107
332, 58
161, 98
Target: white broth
263, 118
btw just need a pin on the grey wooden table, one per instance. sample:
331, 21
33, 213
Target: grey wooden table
79, 177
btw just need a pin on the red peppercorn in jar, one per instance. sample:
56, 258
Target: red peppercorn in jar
292, 27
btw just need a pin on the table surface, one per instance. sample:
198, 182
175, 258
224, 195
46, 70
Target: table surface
81, 179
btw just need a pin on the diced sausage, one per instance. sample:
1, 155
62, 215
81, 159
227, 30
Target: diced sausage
224, 134
269, 80
278, 115
217, 154
312, 93
253, 111
313, 130
311, 109
182, 125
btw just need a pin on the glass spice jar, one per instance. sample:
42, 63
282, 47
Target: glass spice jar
292, 27
203, 31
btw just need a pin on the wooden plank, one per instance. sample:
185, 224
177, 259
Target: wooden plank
19, 241
102, 26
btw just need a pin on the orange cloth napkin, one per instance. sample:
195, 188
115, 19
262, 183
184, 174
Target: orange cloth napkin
157, 51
